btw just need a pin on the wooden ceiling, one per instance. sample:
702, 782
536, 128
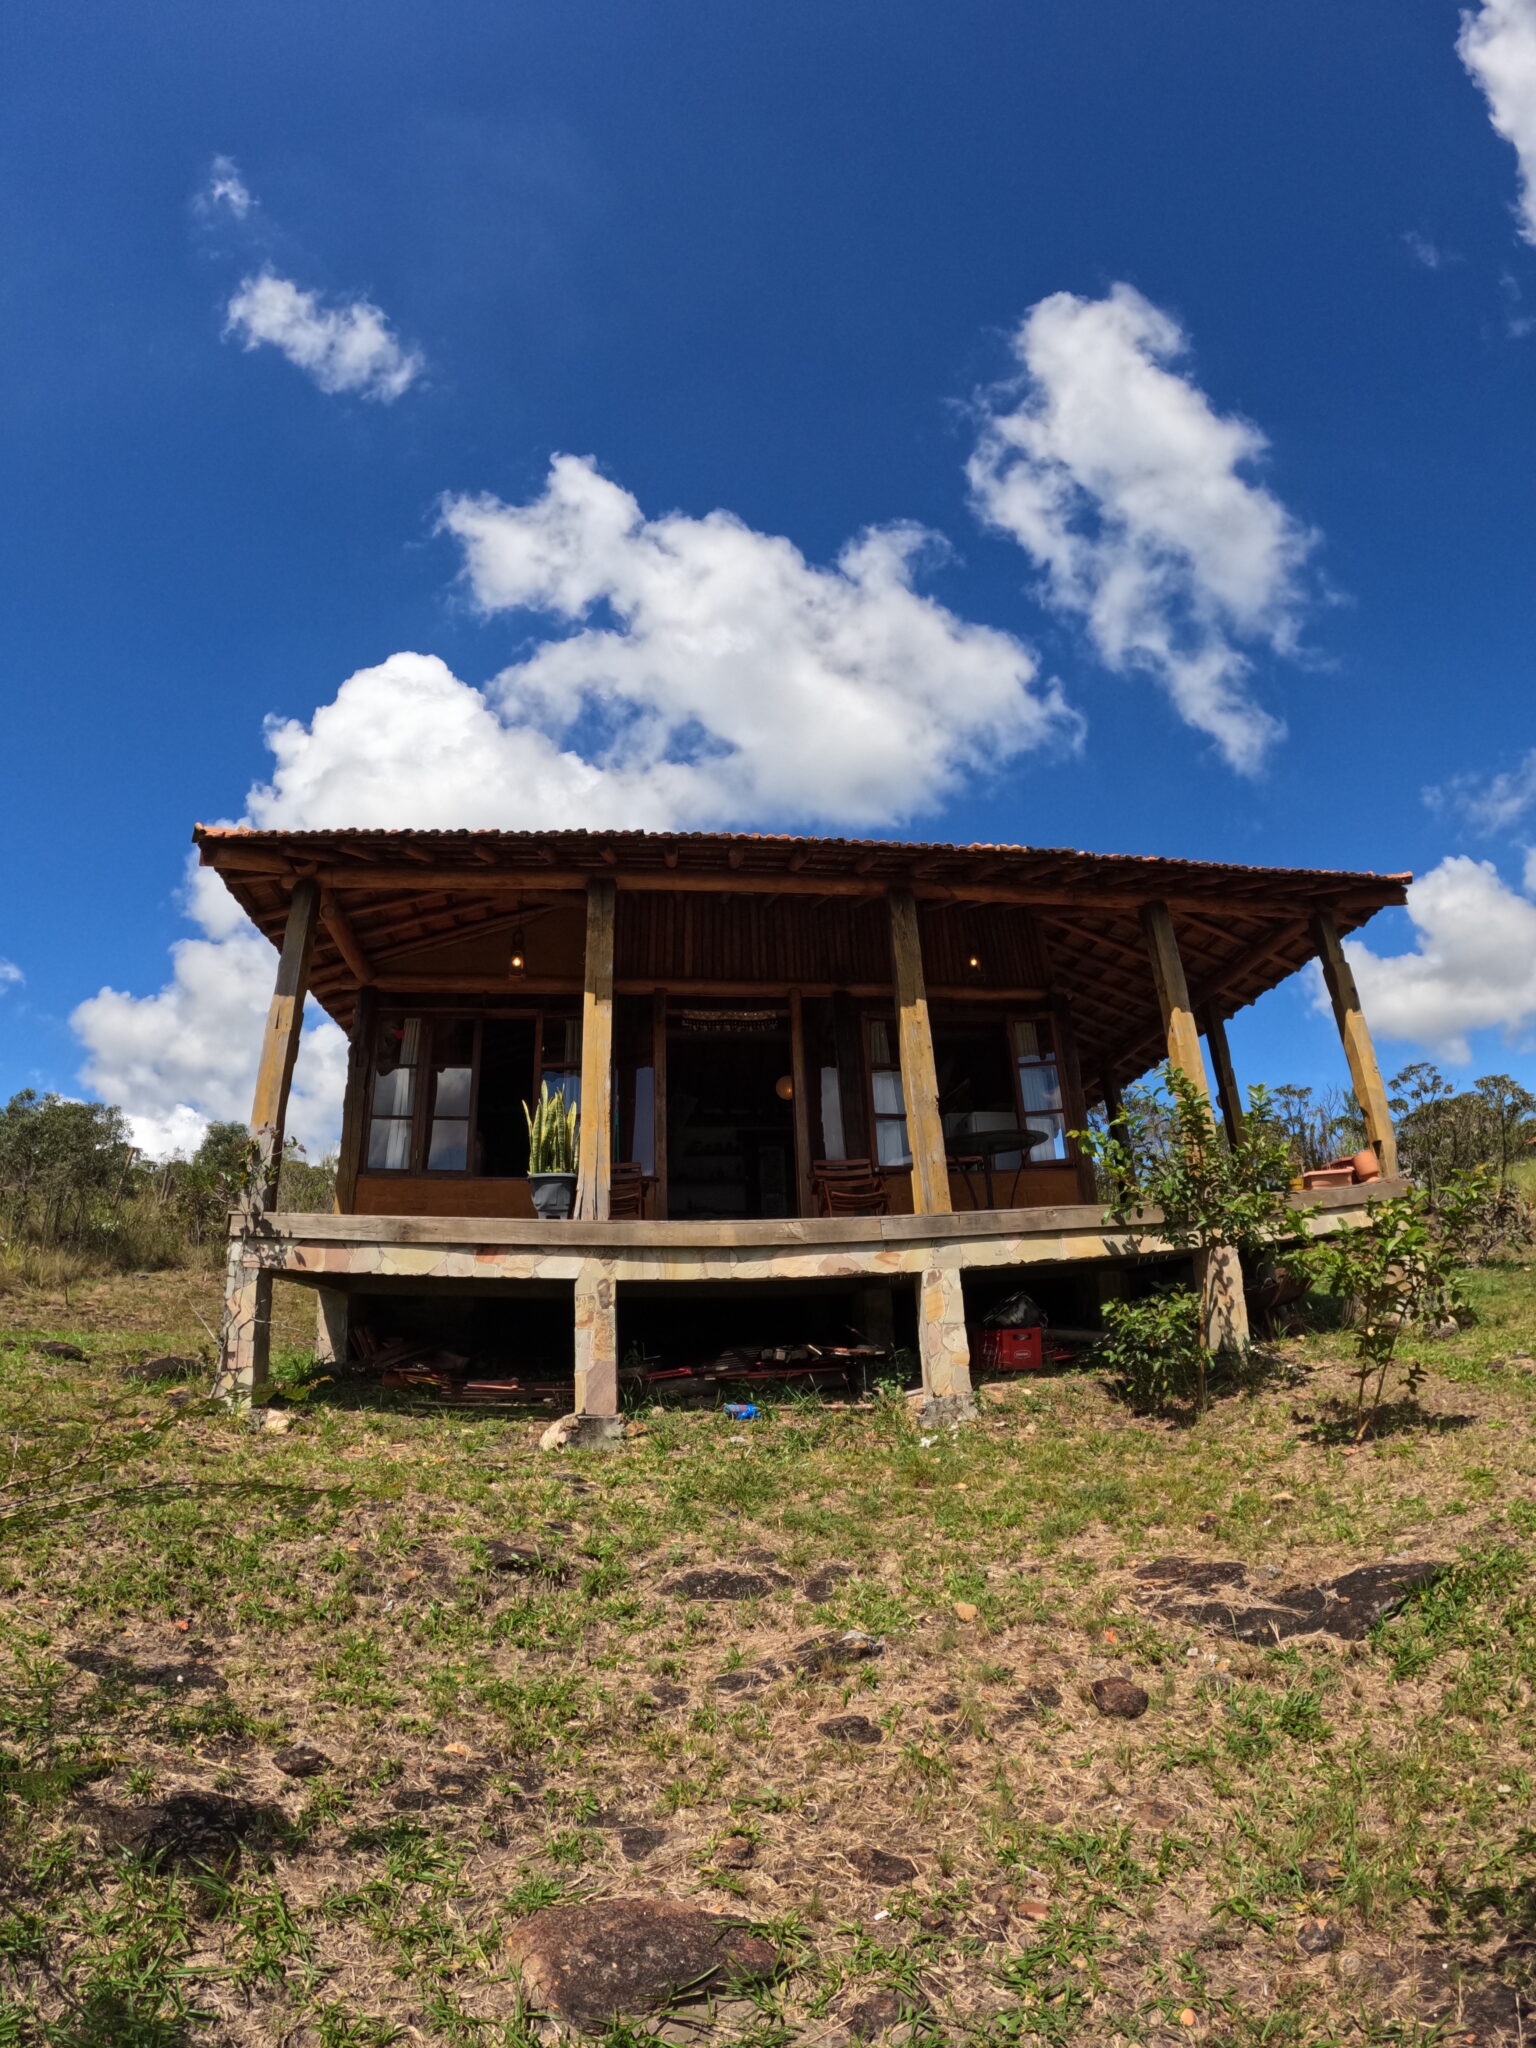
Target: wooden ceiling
391, 897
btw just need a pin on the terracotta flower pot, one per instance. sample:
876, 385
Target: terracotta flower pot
1367, 1166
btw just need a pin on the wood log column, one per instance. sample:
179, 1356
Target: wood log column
597, 1340
919, 1077
245, 1336
354, 1103
1224, 1312
280, 1047
595, 1153
1370, 1092
1227, 1091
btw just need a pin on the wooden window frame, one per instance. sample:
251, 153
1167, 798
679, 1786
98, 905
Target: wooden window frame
421, 1119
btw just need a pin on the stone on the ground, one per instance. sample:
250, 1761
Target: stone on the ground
594, 1963
1119, 1698
750, 1678
721, 1582
588, 1432
837, 1651
1349, 1606
299, 1760
1320, 1873
823, 1584
191, 1833
873, 2014
881, 1866
154, 1370
1318, 1937
735, 1852
173, 1674
502, 1556
635, 1844
53, 1348
850, 1728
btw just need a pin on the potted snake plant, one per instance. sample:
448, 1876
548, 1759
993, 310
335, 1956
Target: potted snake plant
552, 1153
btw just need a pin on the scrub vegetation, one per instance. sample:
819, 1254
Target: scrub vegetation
510, 1698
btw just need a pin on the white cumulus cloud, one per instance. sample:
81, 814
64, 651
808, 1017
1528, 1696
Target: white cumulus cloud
1472, 966
11, 975
1136, 500
707, 674
1498, 46
350, 347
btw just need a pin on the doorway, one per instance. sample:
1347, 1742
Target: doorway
730, 1118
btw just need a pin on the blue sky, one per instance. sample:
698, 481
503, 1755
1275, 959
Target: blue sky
1199, 343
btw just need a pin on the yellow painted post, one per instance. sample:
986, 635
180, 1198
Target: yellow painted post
595, 1146
1370, 1092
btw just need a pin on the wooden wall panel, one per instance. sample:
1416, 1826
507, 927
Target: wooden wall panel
402, 1194
838, 942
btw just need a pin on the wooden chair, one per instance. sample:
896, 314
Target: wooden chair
627, 1188
848, 1187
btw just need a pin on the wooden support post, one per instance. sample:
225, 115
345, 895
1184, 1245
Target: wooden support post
1179, 1027
800, 1081
595, 1154
1227, 1091
1370, 1091
1224, 1311
354, 1102
941, 1340
246, 1340
597, 1340
333, 1321
280, 1046
659, 1096
919, 1077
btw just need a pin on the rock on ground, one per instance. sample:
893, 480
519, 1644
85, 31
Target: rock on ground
591, 1964
1119, 1698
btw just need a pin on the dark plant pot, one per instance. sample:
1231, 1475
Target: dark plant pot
553, 1193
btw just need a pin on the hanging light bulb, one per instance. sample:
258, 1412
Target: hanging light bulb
974, 963
518, 961
784, 1088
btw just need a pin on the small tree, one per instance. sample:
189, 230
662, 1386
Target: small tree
1170, 1173
1399, 1269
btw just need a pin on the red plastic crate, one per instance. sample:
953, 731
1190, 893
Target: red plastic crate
1016, 1350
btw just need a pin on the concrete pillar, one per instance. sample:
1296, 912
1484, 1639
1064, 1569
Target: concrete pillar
333, 1322
247, 1335
597, 1340
942, 1343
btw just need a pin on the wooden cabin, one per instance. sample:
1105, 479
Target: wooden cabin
798, 1060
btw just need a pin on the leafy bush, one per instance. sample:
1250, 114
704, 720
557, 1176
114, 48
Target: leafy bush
1153, 1346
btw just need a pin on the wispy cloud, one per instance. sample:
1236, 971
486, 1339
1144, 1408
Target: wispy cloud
345, 343
1424, 251
1497, 44
1113, 471
11, 975
1493, 803
349, 347
225, 191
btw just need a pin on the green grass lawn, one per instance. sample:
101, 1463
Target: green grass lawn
492, 1736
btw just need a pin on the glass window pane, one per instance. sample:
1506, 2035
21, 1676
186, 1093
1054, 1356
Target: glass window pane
881, 1053
832, 1115
1055, 1146
891, 1147
450, 1095
394, 1093
448, 1151
887, 1093
1039, 1087
389, 1144
1031, 1041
